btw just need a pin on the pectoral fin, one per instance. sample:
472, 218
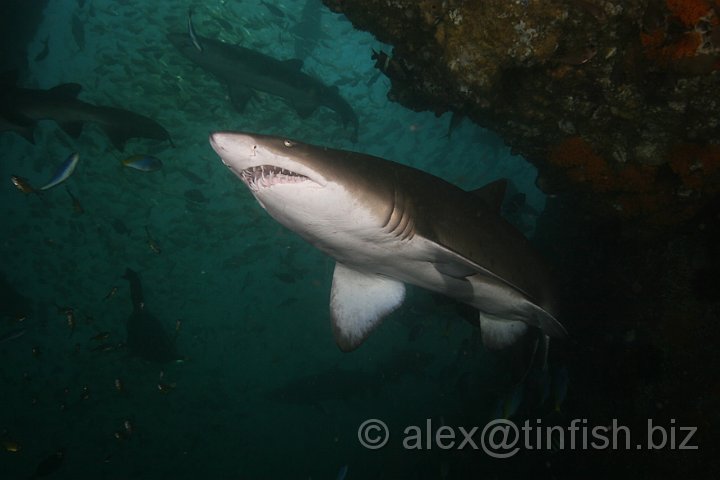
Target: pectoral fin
304, 109
358, 302
498, 333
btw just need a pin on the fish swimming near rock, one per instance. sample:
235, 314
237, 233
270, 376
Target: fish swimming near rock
246, 71
191, 31
22, 108
146, 336
23, 184
144, 163
63, 172
387, 224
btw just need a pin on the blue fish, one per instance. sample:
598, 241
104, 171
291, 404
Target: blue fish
508, 404
144, 163
342, 473
63, 172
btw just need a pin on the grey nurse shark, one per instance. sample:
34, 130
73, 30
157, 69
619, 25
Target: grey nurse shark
245, 71
387, 225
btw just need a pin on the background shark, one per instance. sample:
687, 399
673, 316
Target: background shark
387, 224
146, 336
245, 70
22, 108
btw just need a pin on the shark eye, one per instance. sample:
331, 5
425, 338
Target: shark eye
288, 143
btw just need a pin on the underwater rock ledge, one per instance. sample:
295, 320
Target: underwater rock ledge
616, 103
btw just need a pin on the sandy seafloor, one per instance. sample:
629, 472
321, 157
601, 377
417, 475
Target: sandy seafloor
251, 296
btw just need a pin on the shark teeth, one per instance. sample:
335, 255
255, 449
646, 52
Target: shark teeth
263, 176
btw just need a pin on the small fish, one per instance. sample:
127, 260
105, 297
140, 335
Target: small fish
44, 52
128, 427
77, 207
50, 464
508, 404
342, 473
119, 386
12, 335
63, 172
22, 184
99, 337
166, 387
111, 293
191, 31
579, 57
10, 446
104, 347
178, 327
274, 10
70, 317
151, 242
144, 163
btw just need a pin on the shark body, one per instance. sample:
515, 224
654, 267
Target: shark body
22, 108
387, 225
245, 71
146, 335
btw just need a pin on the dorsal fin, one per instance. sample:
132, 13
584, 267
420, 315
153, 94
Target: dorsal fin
492, 194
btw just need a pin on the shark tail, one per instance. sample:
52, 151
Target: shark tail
136, 290
547, 322
532, 355
524, 347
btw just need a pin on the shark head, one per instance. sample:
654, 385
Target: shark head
320, 193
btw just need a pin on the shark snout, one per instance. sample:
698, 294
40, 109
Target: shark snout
238, 151
217, 142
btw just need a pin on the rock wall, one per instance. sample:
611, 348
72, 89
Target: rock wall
616, 103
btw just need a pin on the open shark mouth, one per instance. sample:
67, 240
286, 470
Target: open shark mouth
264, 176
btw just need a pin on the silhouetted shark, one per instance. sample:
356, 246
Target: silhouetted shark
22, 108
245, 70
146, 336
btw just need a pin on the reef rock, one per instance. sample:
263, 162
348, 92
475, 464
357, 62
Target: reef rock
616, 103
